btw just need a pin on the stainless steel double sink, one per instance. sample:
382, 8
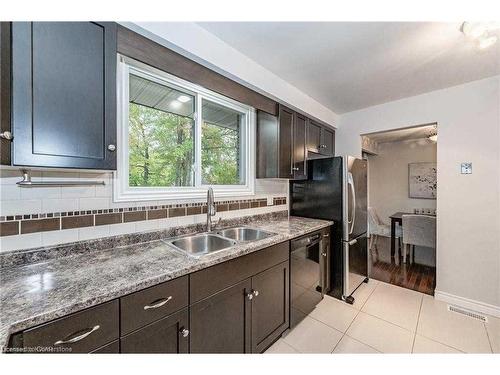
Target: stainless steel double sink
197, 245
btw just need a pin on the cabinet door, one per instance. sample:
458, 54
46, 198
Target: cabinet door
167, 335
313, 136
270, 306
64, 94
327, 142
111, 348
285, 143
299, 148
221, 323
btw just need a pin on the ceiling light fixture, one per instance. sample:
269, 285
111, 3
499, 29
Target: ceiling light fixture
480, 32
184, 98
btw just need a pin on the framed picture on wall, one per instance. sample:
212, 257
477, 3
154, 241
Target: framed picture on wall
422, 180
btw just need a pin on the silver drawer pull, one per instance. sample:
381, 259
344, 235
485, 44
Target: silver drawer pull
184, 332
158, 303
79, 337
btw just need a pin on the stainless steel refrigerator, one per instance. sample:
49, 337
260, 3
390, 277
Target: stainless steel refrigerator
336, 189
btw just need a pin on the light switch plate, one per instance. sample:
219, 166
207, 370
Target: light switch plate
466, 168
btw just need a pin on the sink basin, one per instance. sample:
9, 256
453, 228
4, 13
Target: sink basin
202, 244
242, 234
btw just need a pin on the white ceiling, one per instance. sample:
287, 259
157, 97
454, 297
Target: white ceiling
406, 134
352, 65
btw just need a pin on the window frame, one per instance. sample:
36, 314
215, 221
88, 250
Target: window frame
122, 192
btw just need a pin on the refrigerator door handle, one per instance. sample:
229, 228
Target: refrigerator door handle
350, 182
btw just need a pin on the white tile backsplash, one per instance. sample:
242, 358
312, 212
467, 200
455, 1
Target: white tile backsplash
93, 203
60, 205
93, 232
40, 192
16, 200
9, 192
20, 206
59, 236
22, 241
122, 228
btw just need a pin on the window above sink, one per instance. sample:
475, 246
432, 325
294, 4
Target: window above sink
177, 138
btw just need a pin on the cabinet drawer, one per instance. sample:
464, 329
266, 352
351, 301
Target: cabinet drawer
146, 306
81, 332
213, 279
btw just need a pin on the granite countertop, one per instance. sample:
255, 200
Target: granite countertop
38, 292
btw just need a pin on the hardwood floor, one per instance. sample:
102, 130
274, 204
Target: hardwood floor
419, 276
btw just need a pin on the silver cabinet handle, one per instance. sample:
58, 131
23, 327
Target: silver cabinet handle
255, 293
7, 135
158, 303
295, 168
322, 146
350, 183
111, 148
326, 235
250, 296
184, 332
324, 254
353, 242
79, 337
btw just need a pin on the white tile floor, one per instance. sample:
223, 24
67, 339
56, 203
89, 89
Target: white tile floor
389, 319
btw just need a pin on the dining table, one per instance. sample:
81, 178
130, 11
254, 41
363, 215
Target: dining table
397, 218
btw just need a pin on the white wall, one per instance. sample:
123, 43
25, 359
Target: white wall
196, 43
388, 176
468, 243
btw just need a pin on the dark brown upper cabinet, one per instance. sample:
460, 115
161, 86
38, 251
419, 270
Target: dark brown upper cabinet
299, 147
63, 110
285, 143
328, 142
320, 140
281, 151
313, 136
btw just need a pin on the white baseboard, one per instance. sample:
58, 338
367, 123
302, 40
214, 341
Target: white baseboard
467, 303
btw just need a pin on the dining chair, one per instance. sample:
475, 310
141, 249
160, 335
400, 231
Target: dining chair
418, 230
376, 227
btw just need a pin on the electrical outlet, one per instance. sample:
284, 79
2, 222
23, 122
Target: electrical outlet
466, 168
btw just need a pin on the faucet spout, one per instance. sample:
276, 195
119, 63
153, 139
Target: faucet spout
211, 210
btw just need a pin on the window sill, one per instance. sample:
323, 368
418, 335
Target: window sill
155, 194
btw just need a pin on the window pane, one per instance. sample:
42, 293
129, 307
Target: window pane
221, 145
161, 135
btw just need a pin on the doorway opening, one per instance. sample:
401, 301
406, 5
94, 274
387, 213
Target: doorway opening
402, 197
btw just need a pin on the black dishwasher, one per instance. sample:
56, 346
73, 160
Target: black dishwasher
308, 273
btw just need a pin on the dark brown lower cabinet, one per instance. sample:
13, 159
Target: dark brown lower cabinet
111, 348
270, 308
167, 335
247, 317
239, 306
221, 322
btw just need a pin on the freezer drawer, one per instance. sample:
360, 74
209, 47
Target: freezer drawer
355, 270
